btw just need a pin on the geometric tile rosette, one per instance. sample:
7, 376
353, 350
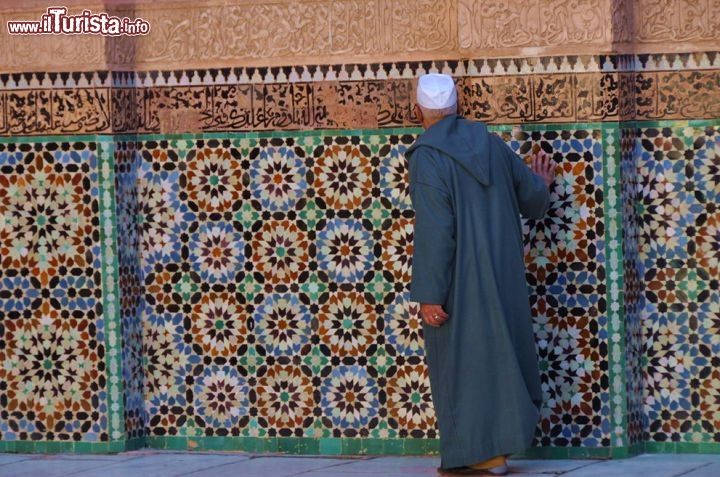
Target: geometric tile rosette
285, 398
221, 400
403, 327
343, 174
679, 171
565, 259
52, 382
283, 325
349, 401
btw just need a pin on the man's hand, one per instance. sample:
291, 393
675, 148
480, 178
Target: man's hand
544, 166
433, 315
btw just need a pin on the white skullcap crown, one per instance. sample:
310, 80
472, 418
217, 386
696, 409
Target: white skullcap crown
436, 91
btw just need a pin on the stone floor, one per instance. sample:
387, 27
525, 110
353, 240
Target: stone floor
148, 463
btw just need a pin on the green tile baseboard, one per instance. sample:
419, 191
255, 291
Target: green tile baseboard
298, 445
682, 447
338, 446
71, 447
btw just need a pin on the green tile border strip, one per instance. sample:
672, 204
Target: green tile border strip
110, 284
407, 447
299, 445
682, 447
71, 447
338, 446
670, 123
617, 360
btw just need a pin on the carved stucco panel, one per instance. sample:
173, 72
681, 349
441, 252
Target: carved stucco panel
23, 52
714, 19
120, 50
692, 19
676, 20
423, 25
623, 21
285, 30
173, 35
234, 32
4, 40
520, 23
355, 27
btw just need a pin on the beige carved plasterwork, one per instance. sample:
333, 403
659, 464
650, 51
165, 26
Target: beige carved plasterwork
283, 32
423, 25
234, 32
52, 52
623, 23
714, 19
676, 20
4, 40
355, 27
532, 23
224, 33
121, 50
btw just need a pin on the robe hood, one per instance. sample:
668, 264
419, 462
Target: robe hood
465, 142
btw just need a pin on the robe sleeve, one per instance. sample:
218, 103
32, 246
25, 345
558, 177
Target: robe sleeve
434, 236
532, 194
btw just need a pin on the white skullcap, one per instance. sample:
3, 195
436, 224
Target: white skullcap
436, 91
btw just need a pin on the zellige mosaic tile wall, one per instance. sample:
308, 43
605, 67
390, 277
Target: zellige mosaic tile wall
633, 277
679, 173
131, 288
248, 289
54, 322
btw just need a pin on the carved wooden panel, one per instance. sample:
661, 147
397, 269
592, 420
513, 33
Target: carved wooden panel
678, 95
562, 97
627, 101
81, 110
597, 96
38, 111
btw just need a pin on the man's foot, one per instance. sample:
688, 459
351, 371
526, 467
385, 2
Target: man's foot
495, 466
497, 470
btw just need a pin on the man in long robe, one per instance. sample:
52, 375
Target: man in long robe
468, 190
